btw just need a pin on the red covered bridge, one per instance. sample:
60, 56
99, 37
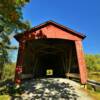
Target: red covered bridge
51, 50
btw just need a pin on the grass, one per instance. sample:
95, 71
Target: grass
9, 71
94, 76
4, 97
90, 90
94, 94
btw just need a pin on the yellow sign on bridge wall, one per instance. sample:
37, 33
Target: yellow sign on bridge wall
49, 72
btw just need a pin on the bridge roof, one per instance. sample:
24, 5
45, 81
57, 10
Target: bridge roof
50, 22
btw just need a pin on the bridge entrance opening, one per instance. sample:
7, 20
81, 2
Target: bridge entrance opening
45, 58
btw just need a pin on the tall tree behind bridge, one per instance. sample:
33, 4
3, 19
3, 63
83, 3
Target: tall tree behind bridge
11, 22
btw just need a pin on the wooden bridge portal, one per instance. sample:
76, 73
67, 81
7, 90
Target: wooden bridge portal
51, 50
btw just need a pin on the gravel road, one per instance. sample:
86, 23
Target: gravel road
53, 89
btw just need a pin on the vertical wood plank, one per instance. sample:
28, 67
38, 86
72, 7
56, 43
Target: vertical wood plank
81, 62
69, 61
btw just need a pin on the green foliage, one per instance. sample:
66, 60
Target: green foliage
11, 15
94, 94
10, 88
9, 71
94, 76
93, 62
11, 22
4, 97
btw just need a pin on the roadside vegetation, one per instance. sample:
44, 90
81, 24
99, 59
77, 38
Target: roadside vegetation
11, 22
93, 66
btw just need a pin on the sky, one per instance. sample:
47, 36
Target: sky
80, 15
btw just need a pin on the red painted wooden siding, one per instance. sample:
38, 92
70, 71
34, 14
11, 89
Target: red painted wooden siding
81, 62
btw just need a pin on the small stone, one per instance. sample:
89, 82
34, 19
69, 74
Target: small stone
54, 92
26, 92
46, 91
31, 95
38, 86
50, 99
34, 95
25, 96
46, 95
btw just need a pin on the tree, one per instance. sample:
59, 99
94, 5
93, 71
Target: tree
93, 62
11, 16
11, 22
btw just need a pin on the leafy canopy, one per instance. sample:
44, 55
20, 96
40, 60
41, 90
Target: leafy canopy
11, 22
11, 15
93, 62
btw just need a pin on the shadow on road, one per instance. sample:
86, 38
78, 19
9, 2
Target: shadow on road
43, 89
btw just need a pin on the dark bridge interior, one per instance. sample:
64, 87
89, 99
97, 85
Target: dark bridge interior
45, 58
50, 62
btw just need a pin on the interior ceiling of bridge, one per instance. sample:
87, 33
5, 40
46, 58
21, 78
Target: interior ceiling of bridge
44, 54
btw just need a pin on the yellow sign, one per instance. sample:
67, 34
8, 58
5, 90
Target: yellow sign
49, 72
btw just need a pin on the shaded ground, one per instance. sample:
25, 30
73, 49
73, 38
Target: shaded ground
52, 89
49, 89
